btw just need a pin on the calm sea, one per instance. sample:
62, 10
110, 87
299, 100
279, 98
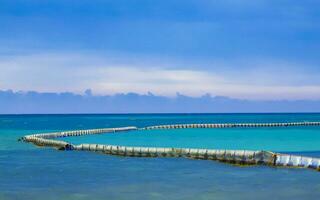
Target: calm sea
28, 172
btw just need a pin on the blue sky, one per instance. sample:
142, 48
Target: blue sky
243, 49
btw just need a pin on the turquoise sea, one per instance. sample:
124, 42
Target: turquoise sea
29, 172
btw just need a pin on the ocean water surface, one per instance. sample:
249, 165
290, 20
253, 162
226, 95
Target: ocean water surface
29, 172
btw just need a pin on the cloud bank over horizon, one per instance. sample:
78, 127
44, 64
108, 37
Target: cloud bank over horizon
107, 75
59, 103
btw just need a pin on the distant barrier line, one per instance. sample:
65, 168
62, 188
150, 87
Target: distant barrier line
241, 157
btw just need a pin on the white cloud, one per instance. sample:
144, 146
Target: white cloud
77, 72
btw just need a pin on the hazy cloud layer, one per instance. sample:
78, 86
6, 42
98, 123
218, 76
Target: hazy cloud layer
34, 102
264, 80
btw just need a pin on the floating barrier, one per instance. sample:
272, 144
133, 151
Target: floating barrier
232, 125
242, 157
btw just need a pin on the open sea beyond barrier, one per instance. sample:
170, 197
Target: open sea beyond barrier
29, 172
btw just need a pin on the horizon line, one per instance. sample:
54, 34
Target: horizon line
173, 113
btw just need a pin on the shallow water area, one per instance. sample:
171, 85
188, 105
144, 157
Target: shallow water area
280, 139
